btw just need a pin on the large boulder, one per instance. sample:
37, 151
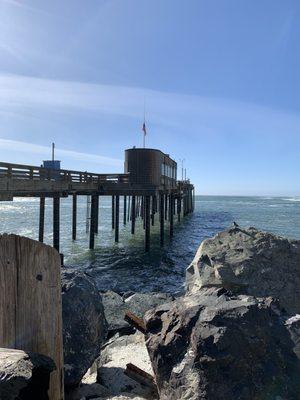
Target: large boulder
24, 375
115, 307
251, 262
213, 345
84, 324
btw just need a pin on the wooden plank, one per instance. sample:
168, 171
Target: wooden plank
30, 302
135, 321
137, 374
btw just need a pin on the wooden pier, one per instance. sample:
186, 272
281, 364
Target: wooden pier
149, 187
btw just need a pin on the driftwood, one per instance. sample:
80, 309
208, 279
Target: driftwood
135, 321
140, 376
30, 302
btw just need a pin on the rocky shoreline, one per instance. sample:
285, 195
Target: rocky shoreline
234, 334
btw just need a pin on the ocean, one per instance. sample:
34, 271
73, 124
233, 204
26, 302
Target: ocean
125, 267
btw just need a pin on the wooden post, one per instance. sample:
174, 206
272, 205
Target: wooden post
96, 213
133, 211
166, 207
56, 206
74, 217
93, 221
30, 302
153, 210
171, 207
42, 219
125, 209
117, 218
112, 212
178, 208
147, 223
128, 211
162, 219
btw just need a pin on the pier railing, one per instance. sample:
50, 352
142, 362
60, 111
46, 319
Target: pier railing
29, 172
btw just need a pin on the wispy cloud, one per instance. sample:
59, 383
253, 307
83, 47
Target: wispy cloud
187, 113
31, 148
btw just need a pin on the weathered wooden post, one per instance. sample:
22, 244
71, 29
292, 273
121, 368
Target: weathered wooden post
74, 217
178, 208
162, 219
171, 214
42, 219
93, 221
166, 207
147, 222
153, 210
117, 218
125, 209
133, 214
96, 213
30, 302
112, 212
56, 209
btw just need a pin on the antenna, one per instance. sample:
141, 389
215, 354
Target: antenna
144, 125
53, 148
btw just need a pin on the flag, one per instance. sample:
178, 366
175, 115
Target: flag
144, 129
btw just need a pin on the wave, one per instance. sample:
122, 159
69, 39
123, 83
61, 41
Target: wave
294, 199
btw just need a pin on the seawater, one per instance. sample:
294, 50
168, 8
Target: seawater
125, 267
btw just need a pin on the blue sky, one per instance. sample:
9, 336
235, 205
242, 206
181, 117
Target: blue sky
220, 79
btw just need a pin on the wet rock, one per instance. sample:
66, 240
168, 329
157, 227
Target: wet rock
24, 375
251, 262
213, 345
84, 324
115, 307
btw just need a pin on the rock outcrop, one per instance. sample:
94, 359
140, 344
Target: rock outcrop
213, 345
251, 262
24, 375
84, 325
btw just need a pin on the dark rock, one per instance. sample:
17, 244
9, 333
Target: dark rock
23, 375
212, 345
84, 324
293, 325
115, 307
248, 261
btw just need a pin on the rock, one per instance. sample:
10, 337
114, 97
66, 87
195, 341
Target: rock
293, 325
115, 307
117, 353
24, 375
213, 345
84, 324
251, 262
139, 303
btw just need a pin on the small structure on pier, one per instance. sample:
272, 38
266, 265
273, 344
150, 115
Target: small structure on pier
149, 186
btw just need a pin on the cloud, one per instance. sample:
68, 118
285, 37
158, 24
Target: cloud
186, 113
24, 147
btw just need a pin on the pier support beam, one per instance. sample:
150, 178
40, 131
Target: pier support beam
93, 221
112, 212
166, 207
125, 209
162, 219
153, 210
42, 219
117, 212
74, 217
97, 213
133, 214
178, 208
171, 214
56, 207
147, 223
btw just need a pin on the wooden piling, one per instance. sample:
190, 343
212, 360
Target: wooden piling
171, 214
133, 214
125, 209
96, 214
42, 219
153, 210
74, 217
162, 219
178, 208
117, 212
30, 303
129, 210
93, 221
147, 223
166, 207
112, 212
56, 217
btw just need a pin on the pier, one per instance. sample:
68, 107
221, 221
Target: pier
148, 189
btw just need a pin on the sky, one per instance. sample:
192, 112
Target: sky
219, 79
